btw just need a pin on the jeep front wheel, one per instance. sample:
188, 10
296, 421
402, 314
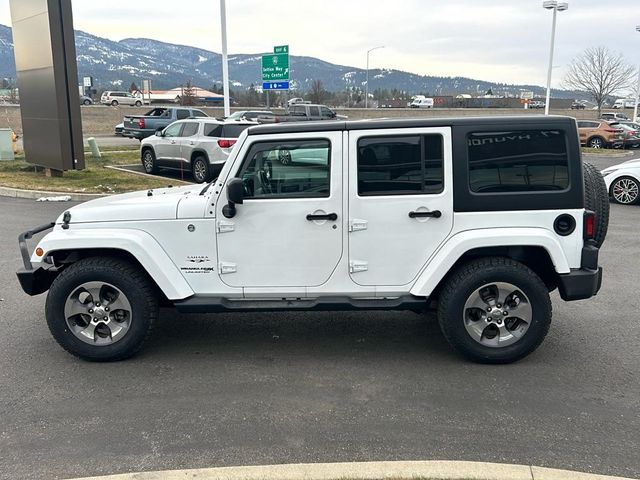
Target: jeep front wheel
494, 310
101, 309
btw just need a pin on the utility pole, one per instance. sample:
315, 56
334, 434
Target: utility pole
225, 60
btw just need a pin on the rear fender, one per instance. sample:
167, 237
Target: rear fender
440, 264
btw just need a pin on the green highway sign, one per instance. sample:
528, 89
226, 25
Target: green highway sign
281, 49
275, 66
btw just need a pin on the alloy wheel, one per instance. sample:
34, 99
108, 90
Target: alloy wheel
497, 314
98, 313
625, 191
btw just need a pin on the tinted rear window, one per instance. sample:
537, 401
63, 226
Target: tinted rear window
224, 131
518, 161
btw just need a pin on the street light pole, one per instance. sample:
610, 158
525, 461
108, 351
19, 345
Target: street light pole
366, 96
635, 105
225, 61
556, 7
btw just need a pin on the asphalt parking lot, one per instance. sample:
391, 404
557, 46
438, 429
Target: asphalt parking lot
243, 389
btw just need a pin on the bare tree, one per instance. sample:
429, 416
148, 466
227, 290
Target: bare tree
599, 72
188, 97
317, 93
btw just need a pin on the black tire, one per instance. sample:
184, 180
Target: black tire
461, 285
201, 169
596, 199
87, 102
284, 157
138, 103
596, 142
140, 292
114, 103
632, 185
148, 159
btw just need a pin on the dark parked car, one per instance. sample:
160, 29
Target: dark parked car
577, 106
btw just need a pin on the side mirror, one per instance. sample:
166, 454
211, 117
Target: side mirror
159, 133
235, 194
334, 114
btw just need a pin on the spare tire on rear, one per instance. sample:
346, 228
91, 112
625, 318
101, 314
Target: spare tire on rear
596, 199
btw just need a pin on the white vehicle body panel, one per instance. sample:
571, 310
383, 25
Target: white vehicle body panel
131, 238
386, 247
627, 169
270, 243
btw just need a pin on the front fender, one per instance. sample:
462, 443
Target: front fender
136, 242
441, 262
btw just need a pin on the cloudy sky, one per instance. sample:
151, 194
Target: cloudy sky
497, 40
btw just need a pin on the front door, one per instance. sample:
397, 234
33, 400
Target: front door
288, 231
400, 202
168, 147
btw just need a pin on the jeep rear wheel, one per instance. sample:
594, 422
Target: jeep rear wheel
101, 309
494, 310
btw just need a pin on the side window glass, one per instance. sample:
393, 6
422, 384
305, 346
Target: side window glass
518, 161
314, 112
294, 169
190, 129
173, 130
400, 165
212, 130
182, 114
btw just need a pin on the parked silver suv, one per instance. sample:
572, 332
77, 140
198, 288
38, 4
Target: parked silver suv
120, 98
199, 145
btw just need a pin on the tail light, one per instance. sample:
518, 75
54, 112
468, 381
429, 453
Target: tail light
226, 142
141, 122
612, 130
589, 225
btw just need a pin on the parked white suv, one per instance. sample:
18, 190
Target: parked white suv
198, 145
120, 98
482, 217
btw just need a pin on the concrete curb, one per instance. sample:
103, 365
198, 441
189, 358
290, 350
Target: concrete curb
35, 194
121, 168
608, 155
410, 470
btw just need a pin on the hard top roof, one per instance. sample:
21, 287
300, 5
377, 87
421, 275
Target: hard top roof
388, 123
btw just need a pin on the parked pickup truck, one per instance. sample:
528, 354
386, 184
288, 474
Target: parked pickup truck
301, 112
143, 126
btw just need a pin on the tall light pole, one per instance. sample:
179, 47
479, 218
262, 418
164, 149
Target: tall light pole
225, 61
556, 7
635, 105
366, 96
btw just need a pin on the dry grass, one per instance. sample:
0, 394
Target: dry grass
95, 178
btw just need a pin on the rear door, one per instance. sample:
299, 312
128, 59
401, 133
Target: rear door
168, 147
400, 202
187, 141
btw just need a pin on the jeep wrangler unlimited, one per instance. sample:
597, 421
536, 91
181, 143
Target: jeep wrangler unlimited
481, 217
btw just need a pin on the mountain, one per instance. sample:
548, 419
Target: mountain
116, 64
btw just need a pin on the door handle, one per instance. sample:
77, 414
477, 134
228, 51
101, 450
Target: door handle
173, 142
326, 216
434, 214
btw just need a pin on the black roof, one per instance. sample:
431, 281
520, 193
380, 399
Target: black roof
385, 123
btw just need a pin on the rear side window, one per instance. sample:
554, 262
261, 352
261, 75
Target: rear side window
518, 161
190, 129
182, 114
400, 165
314, 112
198, 113
212, 130
233, 131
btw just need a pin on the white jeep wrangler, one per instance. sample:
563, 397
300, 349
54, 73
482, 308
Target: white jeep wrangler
482, 217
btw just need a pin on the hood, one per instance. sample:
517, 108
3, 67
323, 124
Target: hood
162, 204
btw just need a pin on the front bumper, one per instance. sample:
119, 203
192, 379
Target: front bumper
34, 281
